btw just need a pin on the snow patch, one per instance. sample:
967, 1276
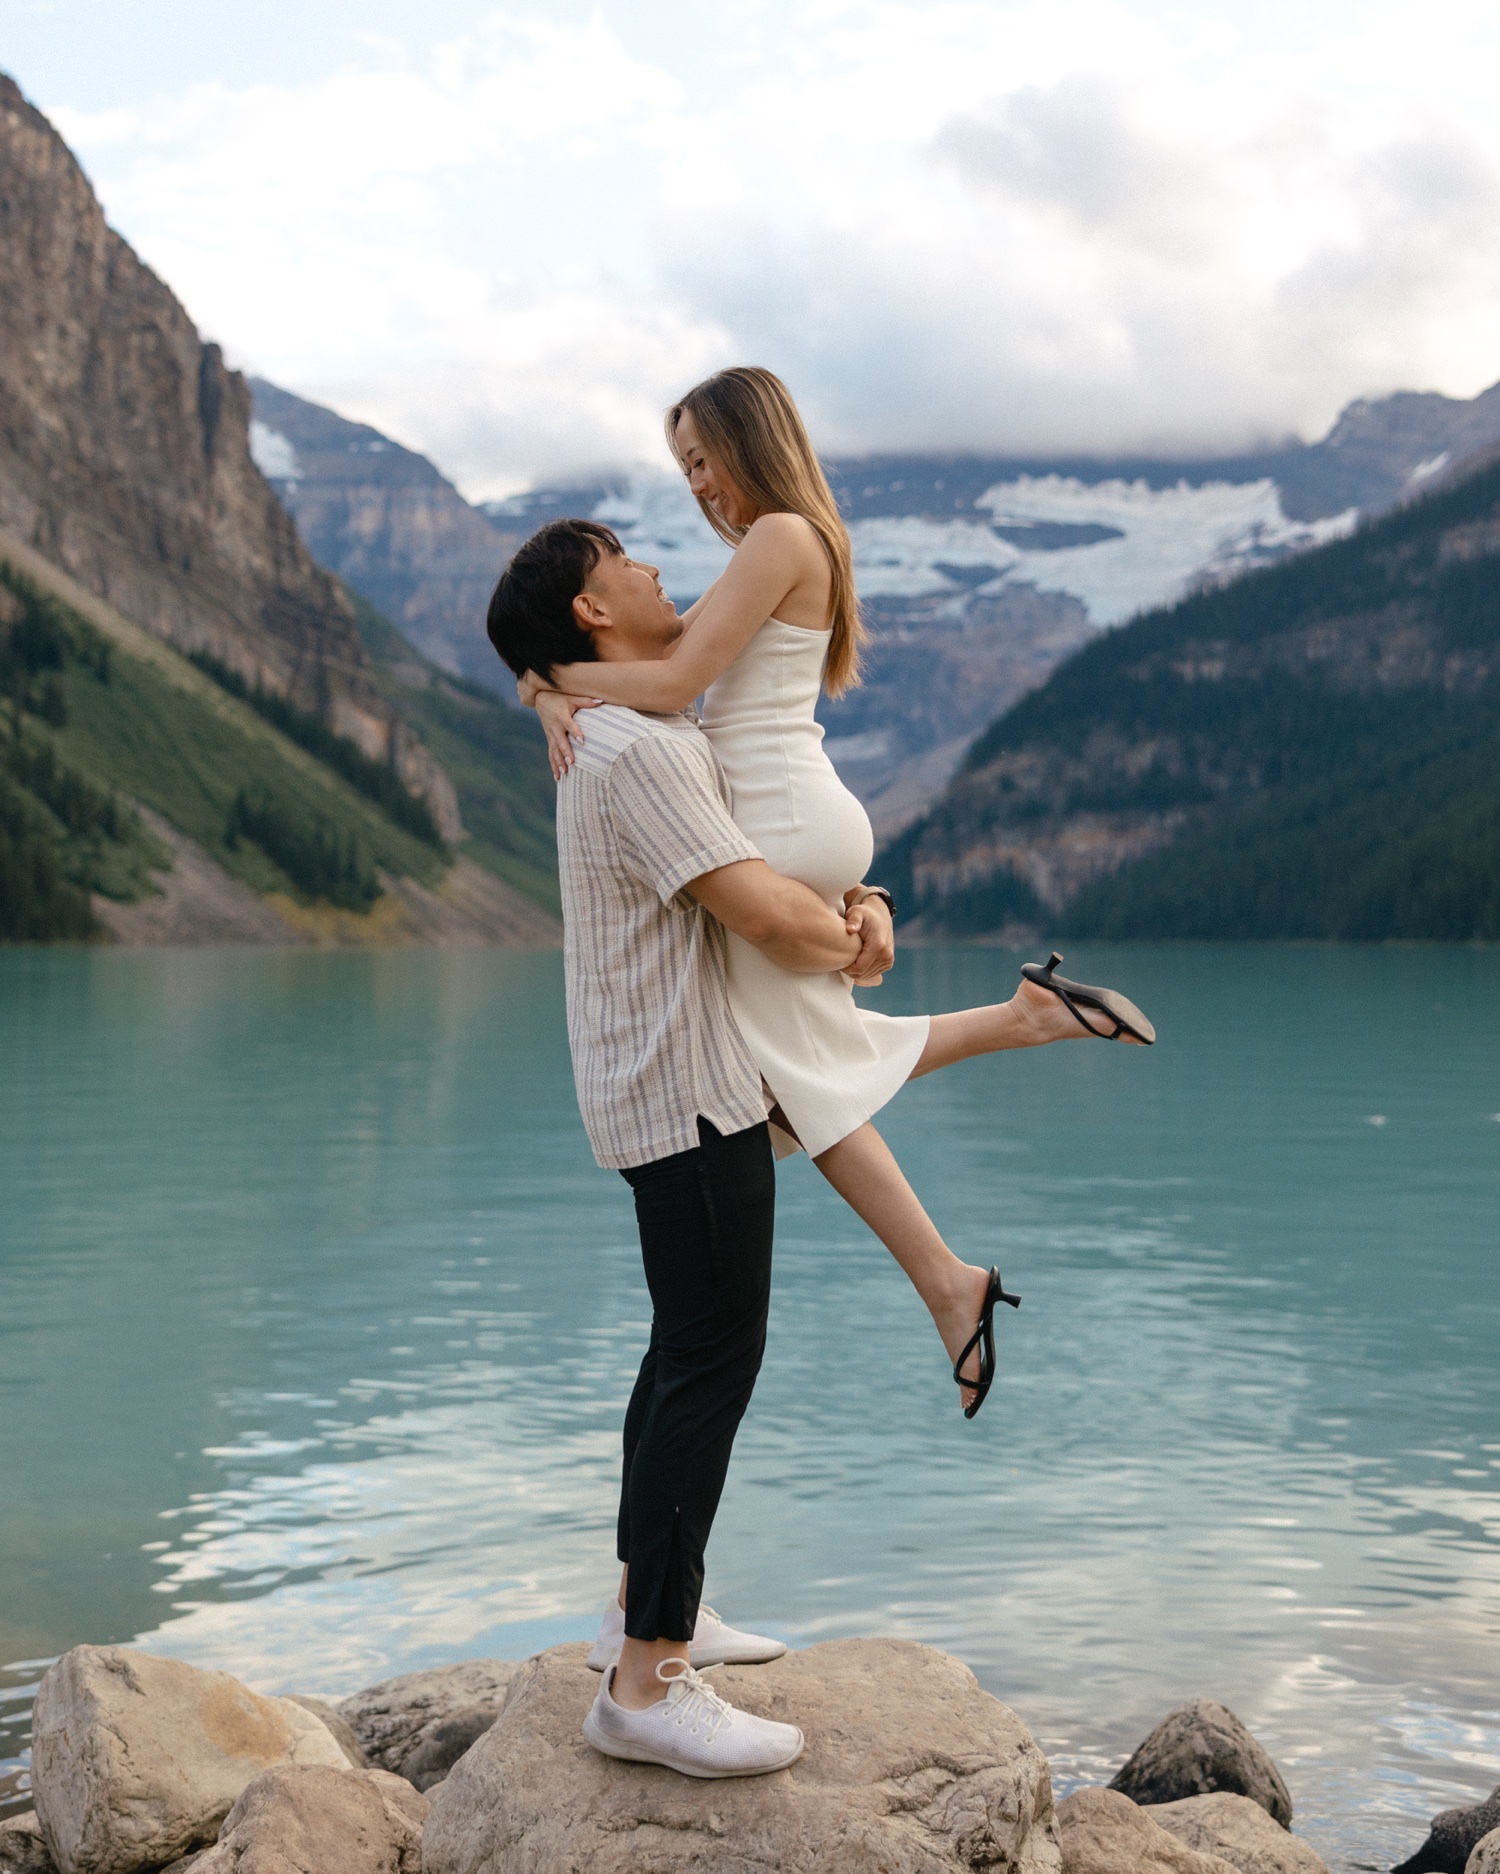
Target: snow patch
1169, 540
1164, 541
272, 453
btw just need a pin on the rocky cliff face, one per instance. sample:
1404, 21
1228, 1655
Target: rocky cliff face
389, 523
125, 459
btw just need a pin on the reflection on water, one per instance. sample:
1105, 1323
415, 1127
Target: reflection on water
317, 1323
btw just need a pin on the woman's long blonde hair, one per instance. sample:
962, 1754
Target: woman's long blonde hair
746, 418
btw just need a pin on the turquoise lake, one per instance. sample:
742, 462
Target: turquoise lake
317, 1322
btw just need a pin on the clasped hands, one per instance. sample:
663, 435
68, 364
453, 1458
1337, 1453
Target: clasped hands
869, 918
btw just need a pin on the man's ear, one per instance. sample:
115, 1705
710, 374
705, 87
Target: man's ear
590, 612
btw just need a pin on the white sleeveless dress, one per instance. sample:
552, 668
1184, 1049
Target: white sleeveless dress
828, 1063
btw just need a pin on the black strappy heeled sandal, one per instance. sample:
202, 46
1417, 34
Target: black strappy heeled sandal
1127, 1018
983, 1338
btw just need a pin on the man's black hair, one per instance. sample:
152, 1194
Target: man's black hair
530, 621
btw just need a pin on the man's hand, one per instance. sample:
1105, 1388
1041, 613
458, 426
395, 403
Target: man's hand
869, 919
783, 918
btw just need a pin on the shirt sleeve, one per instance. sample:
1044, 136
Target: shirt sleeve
672, 822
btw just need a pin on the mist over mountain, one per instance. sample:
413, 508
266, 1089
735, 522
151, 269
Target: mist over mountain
1369, 459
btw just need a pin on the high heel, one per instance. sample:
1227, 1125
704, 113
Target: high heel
1127, 1018
983, 1338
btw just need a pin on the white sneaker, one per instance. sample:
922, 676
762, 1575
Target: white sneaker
713, 1643
691, 1730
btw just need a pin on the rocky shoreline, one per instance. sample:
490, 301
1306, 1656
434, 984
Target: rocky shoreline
144, 1765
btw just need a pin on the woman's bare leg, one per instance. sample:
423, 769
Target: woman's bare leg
864, 1173
1032, 1018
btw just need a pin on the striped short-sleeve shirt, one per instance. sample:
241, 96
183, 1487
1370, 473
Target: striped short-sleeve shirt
643, 812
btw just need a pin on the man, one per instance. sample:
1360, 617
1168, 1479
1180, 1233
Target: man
653, 870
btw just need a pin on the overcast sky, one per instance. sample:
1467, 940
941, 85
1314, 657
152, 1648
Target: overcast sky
509, 235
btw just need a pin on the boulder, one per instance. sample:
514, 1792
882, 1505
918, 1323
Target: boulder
1197, 1749
910, 1768
23, 1850
1454, 1836
1486, 1856
443, 1744
334, 1721
393, 1719
295, 1820
1103, 1832
1237, 1830
137, 1760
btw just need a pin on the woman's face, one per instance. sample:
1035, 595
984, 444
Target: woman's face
708, 479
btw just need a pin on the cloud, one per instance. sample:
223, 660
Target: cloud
1073, 150
989, 224
1416, 264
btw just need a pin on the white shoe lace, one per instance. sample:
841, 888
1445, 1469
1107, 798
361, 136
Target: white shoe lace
692, 1700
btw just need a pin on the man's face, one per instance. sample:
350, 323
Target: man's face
631, 618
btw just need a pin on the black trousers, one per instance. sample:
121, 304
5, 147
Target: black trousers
705, 1218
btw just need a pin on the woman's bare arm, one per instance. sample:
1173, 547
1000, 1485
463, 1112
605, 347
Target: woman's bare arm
778, 553
695, 610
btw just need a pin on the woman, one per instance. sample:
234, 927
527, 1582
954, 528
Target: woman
781, 621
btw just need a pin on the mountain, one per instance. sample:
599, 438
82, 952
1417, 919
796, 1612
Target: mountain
1312, 750
198, 739
978, 573
388, 523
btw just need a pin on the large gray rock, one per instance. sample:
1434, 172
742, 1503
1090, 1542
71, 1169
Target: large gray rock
910, 1768
1197, 1749
23, 1849
1237, 1830
396, 1717
1103, 1832
137, 1760
292, 1820
1486, 1856
1454, 1836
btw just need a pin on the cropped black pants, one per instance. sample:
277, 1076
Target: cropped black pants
705, 1218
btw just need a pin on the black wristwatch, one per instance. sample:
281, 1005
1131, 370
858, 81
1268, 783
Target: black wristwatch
879, 891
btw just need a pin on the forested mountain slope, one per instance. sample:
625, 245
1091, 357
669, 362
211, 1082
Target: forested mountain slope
1311, 751
494, 753
120, 759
